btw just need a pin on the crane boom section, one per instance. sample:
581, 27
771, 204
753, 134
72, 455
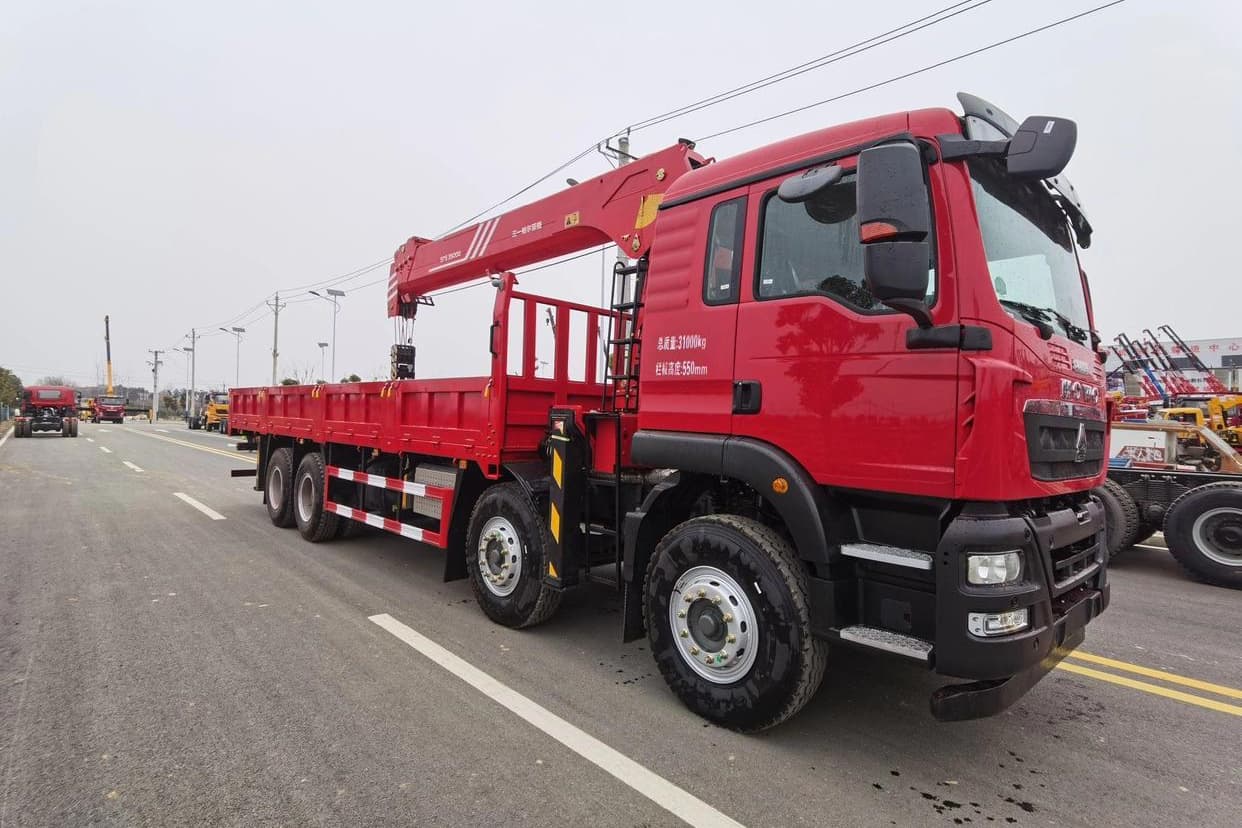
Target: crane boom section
619, 206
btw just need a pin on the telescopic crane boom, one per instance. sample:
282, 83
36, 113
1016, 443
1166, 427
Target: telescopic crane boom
618, 206
1213, 383
108, 350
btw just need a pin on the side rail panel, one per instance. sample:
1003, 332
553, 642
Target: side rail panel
405, 530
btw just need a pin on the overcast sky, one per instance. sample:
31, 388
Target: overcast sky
173, 164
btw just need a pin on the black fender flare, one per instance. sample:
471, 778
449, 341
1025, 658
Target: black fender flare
803, 505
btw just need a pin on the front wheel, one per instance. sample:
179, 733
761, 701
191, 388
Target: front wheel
729, 623
1204, 533
506, 557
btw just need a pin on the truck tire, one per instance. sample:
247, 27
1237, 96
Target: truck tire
506, 557
19, 430
279, 488
765, 663
66, 428
1204, 532
1121, 516
315, 522
73, 427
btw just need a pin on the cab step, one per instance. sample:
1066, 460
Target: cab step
890, 642
910, 558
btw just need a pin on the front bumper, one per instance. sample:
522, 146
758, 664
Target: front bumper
1064, 586
975, 700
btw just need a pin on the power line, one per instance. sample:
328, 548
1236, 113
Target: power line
858, 48
340, 279
914, 72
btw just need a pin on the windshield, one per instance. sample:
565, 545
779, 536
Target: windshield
220, 399
111, 401
1031, 256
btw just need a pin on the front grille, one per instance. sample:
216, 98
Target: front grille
1074, 562
1056, 451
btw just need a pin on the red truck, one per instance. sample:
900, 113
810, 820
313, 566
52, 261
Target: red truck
108, 410
47, 408
853, 395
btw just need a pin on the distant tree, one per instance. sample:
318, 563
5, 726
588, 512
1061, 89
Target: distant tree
10, 386
55, 380
289, 381
352, 378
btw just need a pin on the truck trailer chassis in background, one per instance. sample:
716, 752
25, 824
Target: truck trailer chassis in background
821, 417
47, 408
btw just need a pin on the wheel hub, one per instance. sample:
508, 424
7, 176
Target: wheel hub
499, 556
713, 624
1218, 534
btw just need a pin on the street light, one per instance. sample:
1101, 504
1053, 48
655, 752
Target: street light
189, 353
237, 332
333, 296
322, 345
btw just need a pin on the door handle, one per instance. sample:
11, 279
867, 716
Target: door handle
747, 396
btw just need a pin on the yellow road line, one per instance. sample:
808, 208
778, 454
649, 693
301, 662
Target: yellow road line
1176, 695
232, 455
1172, 678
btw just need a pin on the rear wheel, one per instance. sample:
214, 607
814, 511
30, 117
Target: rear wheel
506, 558
315, 522
279, 487
66, 428
73, 427
1121, 516
1204, 532
729, 623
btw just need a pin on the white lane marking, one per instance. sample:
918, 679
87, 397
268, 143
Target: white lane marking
659, 790
104, 431
6, 436
90, 439
162, 430
131, 465
105, 449
211, 513
1151, 547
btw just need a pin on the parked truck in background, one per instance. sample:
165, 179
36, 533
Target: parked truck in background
213, 409
51, 408
852, 395
108, 409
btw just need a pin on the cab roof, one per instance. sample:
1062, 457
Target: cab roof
820, 145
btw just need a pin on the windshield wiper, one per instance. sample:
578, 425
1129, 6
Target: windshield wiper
1039, 317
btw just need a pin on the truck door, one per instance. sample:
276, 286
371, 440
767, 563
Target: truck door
691, 316
824, 369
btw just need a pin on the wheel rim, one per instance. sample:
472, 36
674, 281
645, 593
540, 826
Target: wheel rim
500, 556
276, 487
306, 498
1218, 535
714, 624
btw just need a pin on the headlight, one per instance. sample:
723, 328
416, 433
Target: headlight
998, 568
998, 623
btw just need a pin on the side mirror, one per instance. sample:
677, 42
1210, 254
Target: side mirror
894, 225
1041, 147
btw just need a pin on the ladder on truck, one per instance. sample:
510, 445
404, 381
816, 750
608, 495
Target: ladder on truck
622, 362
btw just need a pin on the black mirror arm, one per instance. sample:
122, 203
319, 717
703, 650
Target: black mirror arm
953, 147
914, 309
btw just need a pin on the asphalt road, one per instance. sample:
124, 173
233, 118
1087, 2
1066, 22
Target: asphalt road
161, 667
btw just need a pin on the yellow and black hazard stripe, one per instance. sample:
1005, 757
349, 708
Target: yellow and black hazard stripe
566, 498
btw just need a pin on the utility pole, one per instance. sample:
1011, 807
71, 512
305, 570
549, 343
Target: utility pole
192, 405
155, 373
623, 287
275, 305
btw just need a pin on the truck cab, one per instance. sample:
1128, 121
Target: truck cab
213, 409
108, 409
933, 476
